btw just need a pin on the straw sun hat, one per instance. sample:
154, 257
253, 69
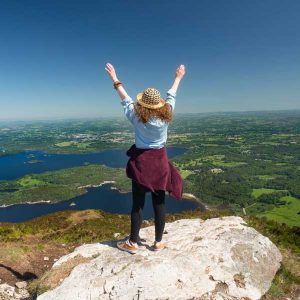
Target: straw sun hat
150, 98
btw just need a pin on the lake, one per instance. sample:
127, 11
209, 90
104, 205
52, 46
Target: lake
105, 198
18, 165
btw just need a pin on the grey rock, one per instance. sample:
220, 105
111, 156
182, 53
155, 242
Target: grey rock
8, 292
219, 258
21, 284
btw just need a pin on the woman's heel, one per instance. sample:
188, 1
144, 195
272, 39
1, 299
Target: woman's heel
157, 246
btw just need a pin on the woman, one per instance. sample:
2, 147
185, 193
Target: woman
148, 166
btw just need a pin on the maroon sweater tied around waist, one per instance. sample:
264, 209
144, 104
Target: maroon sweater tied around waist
153, 171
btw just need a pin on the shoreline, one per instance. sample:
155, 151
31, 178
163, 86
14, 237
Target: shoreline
190, 196
51, 202
54, 151
23, 203
187, 196
95, 185
118, 190
125, 147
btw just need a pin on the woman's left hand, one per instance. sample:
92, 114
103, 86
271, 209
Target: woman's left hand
180, 72
111, 72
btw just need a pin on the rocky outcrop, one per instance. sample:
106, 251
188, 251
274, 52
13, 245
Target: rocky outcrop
8, 292
219, 258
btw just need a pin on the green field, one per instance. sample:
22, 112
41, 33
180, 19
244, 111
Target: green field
65, 144
289, 213
228, 164
258, 192
185, 173
79, 145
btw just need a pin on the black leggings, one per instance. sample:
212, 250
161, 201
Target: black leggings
138, 201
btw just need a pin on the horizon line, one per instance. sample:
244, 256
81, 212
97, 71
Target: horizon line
114, 116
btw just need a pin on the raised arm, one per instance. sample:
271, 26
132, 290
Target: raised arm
171, 94
113, 75
180, 71
126, 100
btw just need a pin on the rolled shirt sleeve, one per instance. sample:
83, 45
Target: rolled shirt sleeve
171, 95
128, 105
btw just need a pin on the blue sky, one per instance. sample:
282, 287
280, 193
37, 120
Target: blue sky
239, 55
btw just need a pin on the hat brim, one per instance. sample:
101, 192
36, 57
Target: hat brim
161, 103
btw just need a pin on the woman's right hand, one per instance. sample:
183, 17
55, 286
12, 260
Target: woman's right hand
111, 72
180, 72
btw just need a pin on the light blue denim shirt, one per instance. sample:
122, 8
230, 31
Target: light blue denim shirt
150, 135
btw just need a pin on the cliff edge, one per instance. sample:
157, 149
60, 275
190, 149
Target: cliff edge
219, 258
